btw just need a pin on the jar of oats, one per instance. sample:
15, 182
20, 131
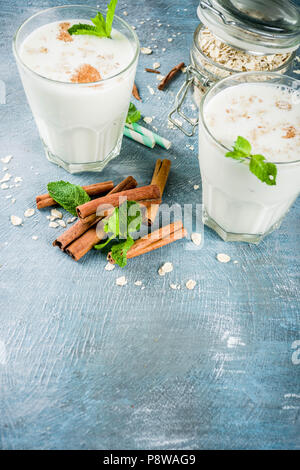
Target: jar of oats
238, 36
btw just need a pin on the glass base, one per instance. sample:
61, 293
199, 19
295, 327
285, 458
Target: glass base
80, 167
236, 237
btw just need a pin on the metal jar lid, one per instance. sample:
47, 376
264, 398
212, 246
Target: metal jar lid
254, 26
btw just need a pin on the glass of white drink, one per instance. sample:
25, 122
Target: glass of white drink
78, 86
263, 108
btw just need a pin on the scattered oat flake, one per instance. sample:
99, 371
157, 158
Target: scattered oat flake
223, 258
165, 268
62, 223
196, 186
121, 281
196, 238
29, 212
4, 186
156, 65
5, 178
34, 237
18, 179
53, 224
15, 220
148, 119
109, 267
151, 91
13, 200
170, 39
138, 283
125, 13
71, 220
190, 284
6, 159
55, 213
146, 50
175, 286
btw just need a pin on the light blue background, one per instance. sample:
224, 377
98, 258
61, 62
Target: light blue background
89, 365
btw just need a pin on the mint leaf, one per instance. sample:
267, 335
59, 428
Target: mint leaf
235, 155
265, 171
99, 23
119, 251
82, 29
103, 26
110, 16
133, 114
241, 145
124, 220
68, 195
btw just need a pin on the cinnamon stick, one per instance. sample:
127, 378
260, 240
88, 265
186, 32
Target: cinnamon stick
161, 237
78, 248
152, 71
135, 92
160, 176
78, 229
163, 83
138, 194
45, 200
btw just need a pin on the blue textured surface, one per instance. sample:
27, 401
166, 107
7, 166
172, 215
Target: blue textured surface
88, 365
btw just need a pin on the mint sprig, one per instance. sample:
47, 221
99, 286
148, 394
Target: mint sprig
133, 114
102, 26
68, 195
263, 170
124, 220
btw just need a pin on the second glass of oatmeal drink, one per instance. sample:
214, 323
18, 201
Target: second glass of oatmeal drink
78, 86
265, 110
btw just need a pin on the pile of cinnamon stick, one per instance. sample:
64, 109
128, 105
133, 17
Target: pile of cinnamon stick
88, 231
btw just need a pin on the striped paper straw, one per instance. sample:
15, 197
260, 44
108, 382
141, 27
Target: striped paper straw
164, 143
141, 138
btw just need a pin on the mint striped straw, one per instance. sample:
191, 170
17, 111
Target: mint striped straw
164, 143
141, 138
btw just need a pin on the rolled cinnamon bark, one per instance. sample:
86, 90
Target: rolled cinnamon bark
161, 237
138, 194
160, 176
135, 93
85, 243
163, 83
45, 200
74, 232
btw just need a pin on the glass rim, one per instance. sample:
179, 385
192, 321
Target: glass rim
220, 82
127, 67
226, 69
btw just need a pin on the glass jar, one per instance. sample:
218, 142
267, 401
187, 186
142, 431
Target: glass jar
238, 36
236, 204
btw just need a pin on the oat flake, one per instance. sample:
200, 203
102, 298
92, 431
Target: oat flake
121, 281
29, 212
15, 220
109, 267
223, 258
190, 284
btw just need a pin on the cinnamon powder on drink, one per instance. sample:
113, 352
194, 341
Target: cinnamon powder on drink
63, 34
86, 74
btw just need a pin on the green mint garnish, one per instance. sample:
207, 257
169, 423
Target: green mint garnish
68, 195
133, 115
263, 170
124, 220
103, 26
